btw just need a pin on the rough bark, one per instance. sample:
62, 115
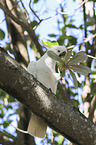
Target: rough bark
18, 47
59, 115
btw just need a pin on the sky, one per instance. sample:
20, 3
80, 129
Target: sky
48, 26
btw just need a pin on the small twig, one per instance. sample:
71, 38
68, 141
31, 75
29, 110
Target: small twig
16, 3
69, 47
38, 16
92, 108
87, 39
27, 27
2, 21
85, 25
91, 56
34, 12
87, 54
20, 130
73, 9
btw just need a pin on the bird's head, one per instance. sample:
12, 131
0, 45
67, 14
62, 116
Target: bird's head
56, 52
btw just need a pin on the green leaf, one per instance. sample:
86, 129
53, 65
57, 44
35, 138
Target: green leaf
52, 35
79, 53
74, 78
71, 26
8, 47
81, 27
50, 44
71, 22
81, 69
1, 113
67, 56
10, 115
2, 34
92, 31
75, 102
5, 133
93, 72
8, 107
72, 40
34, 23
61, 40
77, 59
60, 139
90, 23
54, 56
6, 123
35, 1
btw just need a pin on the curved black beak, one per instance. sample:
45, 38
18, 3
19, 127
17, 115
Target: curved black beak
62, 54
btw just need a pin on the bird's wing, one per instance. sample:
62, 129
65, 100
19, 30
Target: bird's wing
32, 68
37, 127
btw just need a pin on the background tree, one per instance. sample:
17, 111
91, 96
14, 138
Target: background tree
24, 20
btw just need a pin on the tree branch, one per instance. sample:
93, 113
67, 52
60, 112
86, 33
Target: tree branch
34, 12
92, 108
25, 26
59, 115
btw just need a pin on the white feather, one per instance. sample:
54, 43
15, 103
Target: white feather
44, 71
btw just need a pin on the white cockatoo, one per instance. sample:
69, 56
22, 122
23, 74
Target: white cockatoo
44, 71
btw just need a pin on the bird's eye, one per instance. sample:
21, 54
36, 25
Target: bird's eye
58, 50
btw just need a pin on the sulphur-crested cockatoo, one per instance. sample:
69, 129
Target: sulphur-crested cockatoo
44, 71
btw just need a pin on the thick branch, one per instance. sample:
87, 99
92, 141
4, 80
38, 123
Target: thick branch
25, 26
60, 116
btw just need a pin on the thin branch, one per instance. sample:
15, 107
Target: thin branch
58, 114
20, 130
27, 27
40, 20
63, 13
33, 11
87, 39
2, 21
85, 25
92, 108
91, 56
25, 9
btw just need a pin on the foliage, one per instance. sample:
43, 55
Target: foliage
2, 34
67, 31
8, 109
